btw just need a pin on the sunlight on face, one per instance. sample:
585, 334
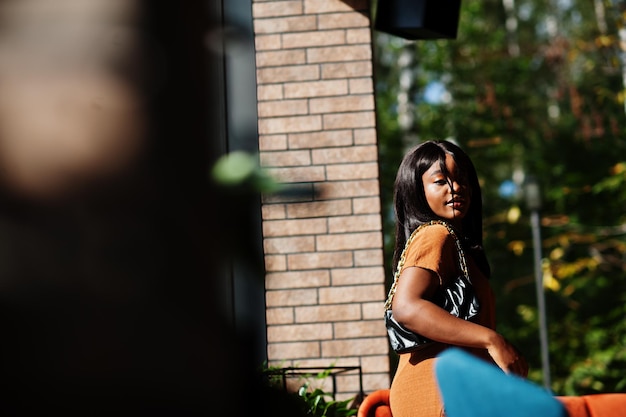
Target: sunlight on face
447, 193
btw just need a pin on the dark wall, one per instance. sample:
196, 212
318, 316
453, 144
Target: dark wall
111, 292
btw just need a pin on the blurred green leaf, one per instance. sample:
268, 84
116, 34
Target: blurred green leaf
241, 169
234, 168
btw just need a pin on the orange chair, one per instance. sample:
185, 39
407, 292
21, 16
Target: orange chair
595, 405
375, 404
498, 396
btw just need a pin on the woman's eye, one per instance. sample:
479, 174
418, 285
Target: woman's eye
441, 182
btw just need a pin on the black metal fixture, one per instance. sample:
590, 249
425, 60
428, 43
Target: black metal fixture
418, 19
532, 192
311, 372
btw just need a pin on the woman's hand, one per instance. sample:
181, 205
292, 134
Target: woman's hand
507, 356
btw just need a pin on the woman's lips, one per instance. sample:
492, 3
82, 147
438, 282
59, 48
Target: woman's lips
457, 204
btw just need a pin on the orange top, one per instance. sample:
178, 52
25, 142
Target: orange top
414, 391
434, 249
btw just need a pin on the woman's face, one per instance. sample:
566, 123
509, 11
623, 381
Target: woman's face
448, 195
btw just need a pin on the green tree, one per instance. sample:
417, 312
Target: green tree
531, 88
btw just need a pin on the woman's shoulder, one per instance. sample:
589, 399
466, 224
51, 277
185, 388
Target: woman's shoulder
432, 237
433, 232
430, 246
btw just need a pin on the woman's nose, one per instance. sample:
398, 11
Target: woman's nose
455, 186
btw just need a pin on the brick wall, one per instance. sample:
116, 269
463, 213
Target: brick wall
317, 125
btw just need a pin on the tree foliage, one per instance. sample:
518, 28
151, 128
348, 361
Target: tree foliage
531, 88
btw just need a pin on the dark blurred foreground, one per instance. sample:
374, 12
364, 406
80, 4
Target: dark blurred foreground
110, 232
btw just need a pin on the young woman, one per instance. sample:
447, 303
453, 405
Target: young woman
437, 182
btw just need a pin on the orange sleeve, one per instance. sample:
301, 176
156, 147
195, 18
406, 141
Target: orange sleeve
433, 248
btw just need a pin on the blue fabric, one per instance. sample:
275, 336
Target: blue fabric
470, 387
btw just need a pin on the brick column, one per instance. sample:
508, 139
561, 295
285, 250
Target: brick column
317, 125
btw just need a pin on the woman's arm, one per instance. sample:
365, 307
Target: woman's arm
413, 310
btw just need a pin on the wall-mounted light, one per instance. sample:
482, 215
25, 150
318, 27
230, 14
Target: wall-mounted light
418, 19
